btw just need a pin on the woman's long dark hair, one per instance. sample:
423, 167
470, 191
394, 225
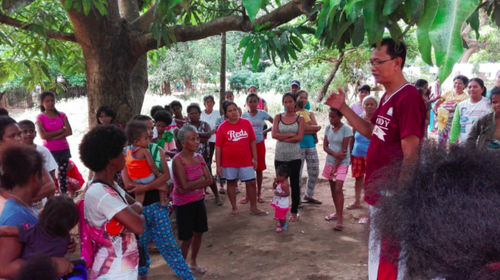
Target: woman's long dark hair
42, 97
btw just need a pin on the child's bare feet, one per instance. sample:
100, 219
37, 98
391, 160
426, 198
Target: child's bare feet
234, 212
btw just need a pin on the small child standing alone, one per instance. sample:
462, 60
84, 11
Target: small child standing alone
140, 164
281, 202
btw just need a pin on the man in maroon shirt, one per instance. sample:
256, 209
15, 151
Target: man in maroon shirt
395, 131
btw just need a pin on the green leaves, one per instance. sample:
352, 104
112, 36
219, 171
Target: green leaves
374, 22
253, 6
445, 33
424, 26
390, 6
283, 43
86, 5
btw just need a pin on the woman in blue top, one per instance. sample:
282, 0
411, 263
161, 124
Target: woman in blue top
360, 147
21, 182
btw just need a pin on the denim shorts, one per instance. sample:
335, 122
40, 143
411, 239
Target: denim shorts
243, 174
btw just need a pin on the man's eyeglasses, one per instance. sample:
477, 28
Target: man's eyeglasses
376, 63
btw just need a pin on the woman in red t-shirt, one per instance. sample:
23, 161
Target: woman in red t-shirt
236, 156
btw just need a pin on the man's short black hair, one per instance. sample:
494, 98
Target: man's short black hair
394, 49
26, 123
100, 145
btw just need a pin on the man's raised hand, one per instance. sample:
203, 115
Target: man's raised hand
336, 100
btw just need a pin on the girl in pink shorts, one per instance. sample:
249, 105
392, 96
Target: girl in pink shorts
338, 139
281, 202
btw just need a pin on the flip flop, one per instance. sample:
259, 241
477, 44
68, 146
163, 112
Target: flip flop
261, 213
311, 200
281, 229
353, 206
331, 217
244, 200
260, 200
199, 269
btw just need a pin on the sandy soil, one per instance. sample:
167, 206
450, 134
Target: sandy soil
246, 247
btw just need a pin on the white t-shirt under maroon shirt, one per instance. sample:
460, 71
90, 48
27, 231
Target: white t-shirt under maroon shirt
401, 115
234, 141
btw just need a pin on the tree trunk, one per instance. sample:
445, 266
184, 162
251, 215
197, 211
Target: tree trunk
116, 75
165, 88
188, 85
329, 80
222, 69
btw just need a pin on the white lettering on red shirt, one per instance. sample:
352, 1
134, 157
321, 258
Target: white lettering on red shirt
236, 136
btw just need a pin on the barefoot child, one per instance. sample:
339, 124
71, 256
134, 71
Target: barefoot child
140, 164
280, 201
338, 137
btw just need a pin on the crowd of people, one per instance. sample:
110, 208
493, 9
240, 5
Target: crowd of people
162, 163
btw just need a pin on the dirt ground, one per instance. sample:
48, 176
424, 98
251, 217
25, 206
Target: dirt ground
246, 247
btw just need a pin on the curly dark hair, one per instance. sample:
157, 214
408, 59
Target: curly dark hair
446, 215
19, 163
59, 216
155, 109
100, 145
163, 116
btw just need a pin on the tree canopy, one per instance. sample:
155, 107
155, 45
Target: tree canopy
110, 38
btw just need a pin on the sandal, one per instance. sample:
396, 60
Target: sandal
244, 200
311, 200
353, 206
198, 268
331, 217
294, 218
259, 213
260, 200
281, 229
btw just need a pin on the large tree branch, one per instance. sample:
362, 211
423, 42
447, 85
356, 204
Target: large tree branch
63, 36
279, 16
